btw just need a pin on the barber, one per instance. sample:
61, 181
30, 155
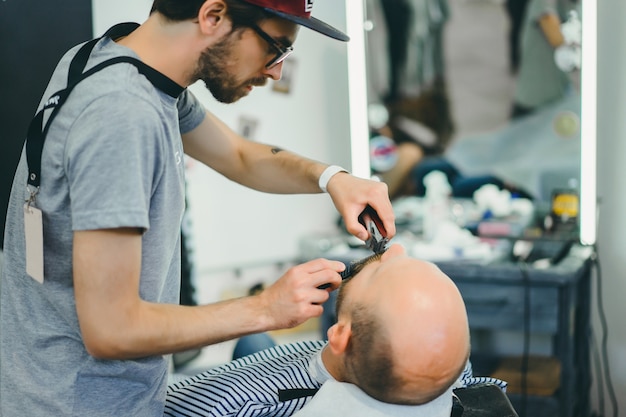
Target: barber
92, 260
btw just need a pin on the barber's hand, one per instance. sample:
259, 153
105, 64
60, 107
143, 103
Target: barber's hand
295, 297
351, 195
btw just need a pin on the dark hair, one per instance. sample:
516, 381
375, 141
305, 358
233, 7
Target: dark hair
368, 356
241, 13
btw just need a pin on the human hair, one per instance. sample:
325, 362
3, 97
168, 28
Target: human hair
241, 13
368, 355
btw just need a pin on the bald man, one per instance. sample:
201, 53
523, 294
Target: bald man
401, 342
402, 333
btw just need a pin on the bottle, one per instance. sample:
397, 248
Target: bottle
436, 203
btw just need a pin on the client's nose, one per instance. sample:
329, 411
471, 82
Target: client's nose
393, 251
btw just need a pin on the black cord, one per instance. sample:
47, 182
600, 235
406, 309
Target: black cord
605, 334
526, 343
598, 366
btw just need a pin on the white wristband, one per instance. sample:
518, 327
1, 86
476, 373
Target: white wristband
328, 174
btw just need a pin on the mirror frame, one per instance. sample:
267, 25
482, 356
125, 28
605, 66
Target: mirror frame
359, 133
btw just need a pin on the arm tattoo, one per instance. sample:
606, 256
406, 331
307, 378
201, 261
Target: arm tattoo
276, 150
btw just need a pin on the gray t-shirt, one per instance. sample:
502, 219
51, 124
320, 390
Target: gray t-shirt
113, 158
539, 80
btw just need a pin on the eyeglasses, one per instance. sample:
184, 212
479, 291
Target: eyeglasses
282, 51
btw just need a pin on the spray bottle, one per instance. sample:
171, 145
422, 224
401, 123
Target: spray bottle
436, 203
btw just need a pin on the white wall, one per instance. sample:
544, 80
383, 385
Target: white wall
235, 225
106, 13
612, 189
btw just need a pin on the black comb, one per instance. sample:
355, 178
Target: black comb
353, 267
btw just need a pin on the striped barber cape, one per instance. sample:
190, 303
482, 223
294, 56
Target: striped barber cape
248, 386
274, 382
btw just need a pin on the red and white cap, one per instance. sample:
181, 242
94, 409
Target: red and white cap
299, 11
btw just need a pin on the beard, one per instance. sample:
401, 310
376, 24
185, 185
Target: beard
212, 69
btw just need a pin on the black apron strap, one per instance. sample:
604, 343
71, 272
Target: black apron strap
37, 132
77, 66
295, 393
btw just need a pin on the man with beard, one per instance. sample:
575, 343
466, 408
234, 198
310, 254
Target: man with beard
92, 261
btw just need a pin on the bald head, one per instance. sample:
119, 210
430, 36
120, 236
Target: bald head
409, 335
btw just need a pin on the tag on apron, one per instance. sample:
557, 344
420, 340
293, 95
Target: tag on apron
33, 228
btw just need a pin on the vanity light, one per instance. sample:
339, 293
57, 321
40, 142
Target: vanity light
588, 197
357, 89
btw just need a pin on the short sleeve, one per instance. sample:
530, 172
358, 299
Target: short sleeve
539, 8
190, 112
112, 166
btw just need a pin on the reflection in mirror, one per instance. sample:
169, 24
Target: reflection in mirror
445, 84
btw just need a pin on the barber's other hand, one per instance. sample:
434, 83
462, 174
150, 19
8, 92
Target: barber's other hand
295, 297
351, 195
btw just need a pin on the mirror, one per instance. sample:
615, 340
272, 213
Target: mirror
460, 55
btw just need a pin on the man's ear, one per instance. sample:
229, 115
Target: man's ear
212, 16
338, 337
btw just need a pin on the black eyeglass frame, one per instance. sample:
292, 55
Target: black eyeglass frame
283, 51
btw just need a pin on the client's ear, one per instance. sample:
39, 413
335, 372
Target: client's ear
338, 337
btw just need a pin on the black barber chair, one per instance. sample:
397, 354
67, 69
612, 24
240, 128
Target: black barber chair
481, 400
